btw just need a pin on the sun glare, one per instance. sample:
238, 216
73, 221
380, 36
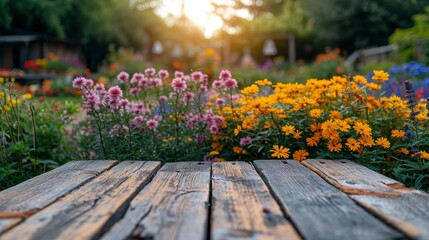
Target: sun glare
198, 11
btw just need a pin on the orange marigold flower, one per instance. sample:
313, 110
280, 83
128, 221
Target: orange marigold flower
280, 152
250, 90
366, 140
424, 155
353, 144
359, 79
383, 142
334, 146
316, 113
380, 76
297, 134
288, 129
403, 151
343, 126
398, 133
362, 128
300, 155
312, 141
335, 114
264, 82
239, 150
373, 86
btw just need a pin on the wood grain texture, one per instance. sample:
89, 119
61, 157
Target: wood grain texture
317, 209
26, 198
353, 178
408, 212
242, 206
86, 212
173, 206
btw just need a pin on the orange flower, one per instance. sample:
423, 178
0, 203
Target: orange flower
279, 152
300, 155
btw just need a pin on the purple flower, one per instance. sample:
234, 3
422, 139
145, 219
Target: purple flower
149, 71
230, 83
178, 74
152, 124
123, 77
197, 76
217, 84
136, 78
134, 91
245, 141
163, 74
79, 82
179, 85
115, 92
224, 75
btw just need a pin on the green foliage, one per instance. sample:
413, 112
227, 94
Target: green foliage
407, 39
32, 138
360, 23
369, 67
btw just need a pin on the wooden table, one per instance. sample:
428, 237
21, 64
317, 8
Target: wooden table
267, 199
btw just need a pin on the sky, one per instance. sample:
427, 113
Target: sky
199, 11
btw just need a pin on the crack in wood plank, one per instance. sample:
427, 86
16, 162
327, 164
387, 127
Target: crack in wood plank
397, 189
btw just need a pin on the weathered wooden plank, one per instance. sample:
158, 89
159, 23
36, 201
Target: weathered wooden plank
404, 208
242, 206
353, 178
317, 209
173, 206
408, 212
26, 198
86, 212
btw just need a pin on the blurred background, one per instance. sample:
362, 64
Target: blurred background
44, 44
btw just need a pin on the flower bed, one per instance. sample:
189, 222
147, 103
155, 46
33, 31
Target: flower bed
152, 116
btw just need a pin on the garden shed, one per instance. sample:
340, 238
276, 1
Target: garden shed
15, 50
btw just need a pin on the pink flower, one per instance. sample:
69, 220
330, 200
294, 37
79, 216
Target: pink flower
118, 129
143, 83
220, 102
149, 71
152, 124
230, 83
178, 74
197, 76
115, 92
99, 87
179, 85
136, 121
162, 98
88, 83
203, 89
136, 78
236, 97
114, 103
225, 74
188, 96
156, 82
134, 91
214, 129
124, 103
79, 82
245, 141
123, 77
217, 84
163, 74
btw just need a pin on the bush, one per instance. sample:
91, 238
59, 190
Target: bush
32, 138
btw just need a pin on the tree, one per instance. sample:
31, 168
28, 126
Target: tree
94, 23
407, 39
356, 24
